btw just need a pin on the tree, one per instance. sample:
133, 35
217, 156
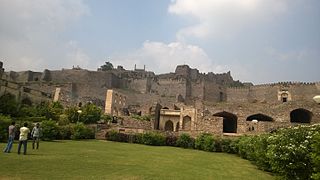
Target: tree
8, 105
106, 67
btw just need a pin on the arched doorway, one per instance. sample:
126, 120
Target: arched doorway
259, 117
186, 123
168, 126
300, 116
229, 121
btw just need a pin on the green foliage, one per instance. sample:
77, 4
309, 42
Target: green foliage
80, 131
106, 67
65, 132
50, 110
50, 130
205, 142
112, 135
226, 146
316, 156
72, 114
63, 120
185, 141
106, 118
141, 118
8, 105
289, 151
152, 138
90, 114
5, 122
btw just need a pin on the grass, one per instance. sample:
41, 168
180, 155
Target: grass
111, 160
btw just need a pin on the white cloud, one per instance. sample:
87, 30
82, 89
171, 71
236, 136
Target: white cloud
163, 58
31, 32
224, 18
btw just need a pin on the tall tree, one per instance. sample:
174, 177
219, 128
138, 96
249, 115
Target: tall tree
106, 67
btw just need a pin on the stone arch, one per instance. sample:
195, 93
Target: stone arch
186, 123
168, 126
300, 115
26, 101
259, 117
284, 97
229, 121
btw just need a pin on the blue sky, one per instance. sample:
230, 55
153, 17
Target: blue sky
259, 41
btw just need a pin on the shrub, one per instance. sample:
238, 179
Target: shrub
246, 147
112, 135
8, 105
205, 142
65, 132
80, 131
316, 156
226, 145
5, 122
260, 152
171, 140
152, 138
90, 114
50, 130
185, 141
141, 118
289, 151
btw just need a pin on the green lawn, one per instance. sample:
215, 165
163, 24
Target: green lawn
111, 160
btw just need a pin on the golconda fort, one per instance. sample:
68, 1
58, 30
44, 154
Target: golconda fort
185, 101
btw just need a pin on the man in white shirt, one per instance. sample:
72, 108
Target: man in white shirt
23, 139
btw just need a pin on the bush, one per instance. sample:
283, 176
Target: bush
185, 141
246, 147
65, 132
289, 151
152, 138
50, 130
205, 142
316, 156
171, 140
5, 122
80, 131
112, 135
226, 145
141, 118
90, 114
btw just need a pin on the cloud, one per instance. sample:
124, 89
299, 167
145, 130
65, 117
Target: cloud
301, 55
31, 32
163, 58
224, 18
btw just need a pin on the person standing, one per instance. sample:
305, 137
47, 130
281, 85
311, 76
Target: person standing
12, 132
23, 139
35, 134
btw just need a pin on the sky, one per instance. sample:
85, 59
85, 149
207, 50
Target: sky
259, 41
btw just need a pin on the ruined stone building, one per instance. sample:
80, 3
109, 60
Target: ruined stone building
182, 101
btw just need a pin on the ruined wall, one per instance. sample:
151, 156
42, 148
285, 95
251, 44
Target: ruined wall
269, 93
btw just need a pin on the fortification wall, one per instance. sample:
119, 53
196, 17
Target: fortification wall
169, 87
139, 85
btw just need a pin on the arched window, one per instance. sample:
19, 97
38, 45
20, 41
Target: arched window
186, 123
259, 117
300, 116
168, 126
229, 121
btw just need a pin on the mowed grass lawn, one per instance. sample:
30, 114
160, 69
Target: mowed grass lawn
95, 159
